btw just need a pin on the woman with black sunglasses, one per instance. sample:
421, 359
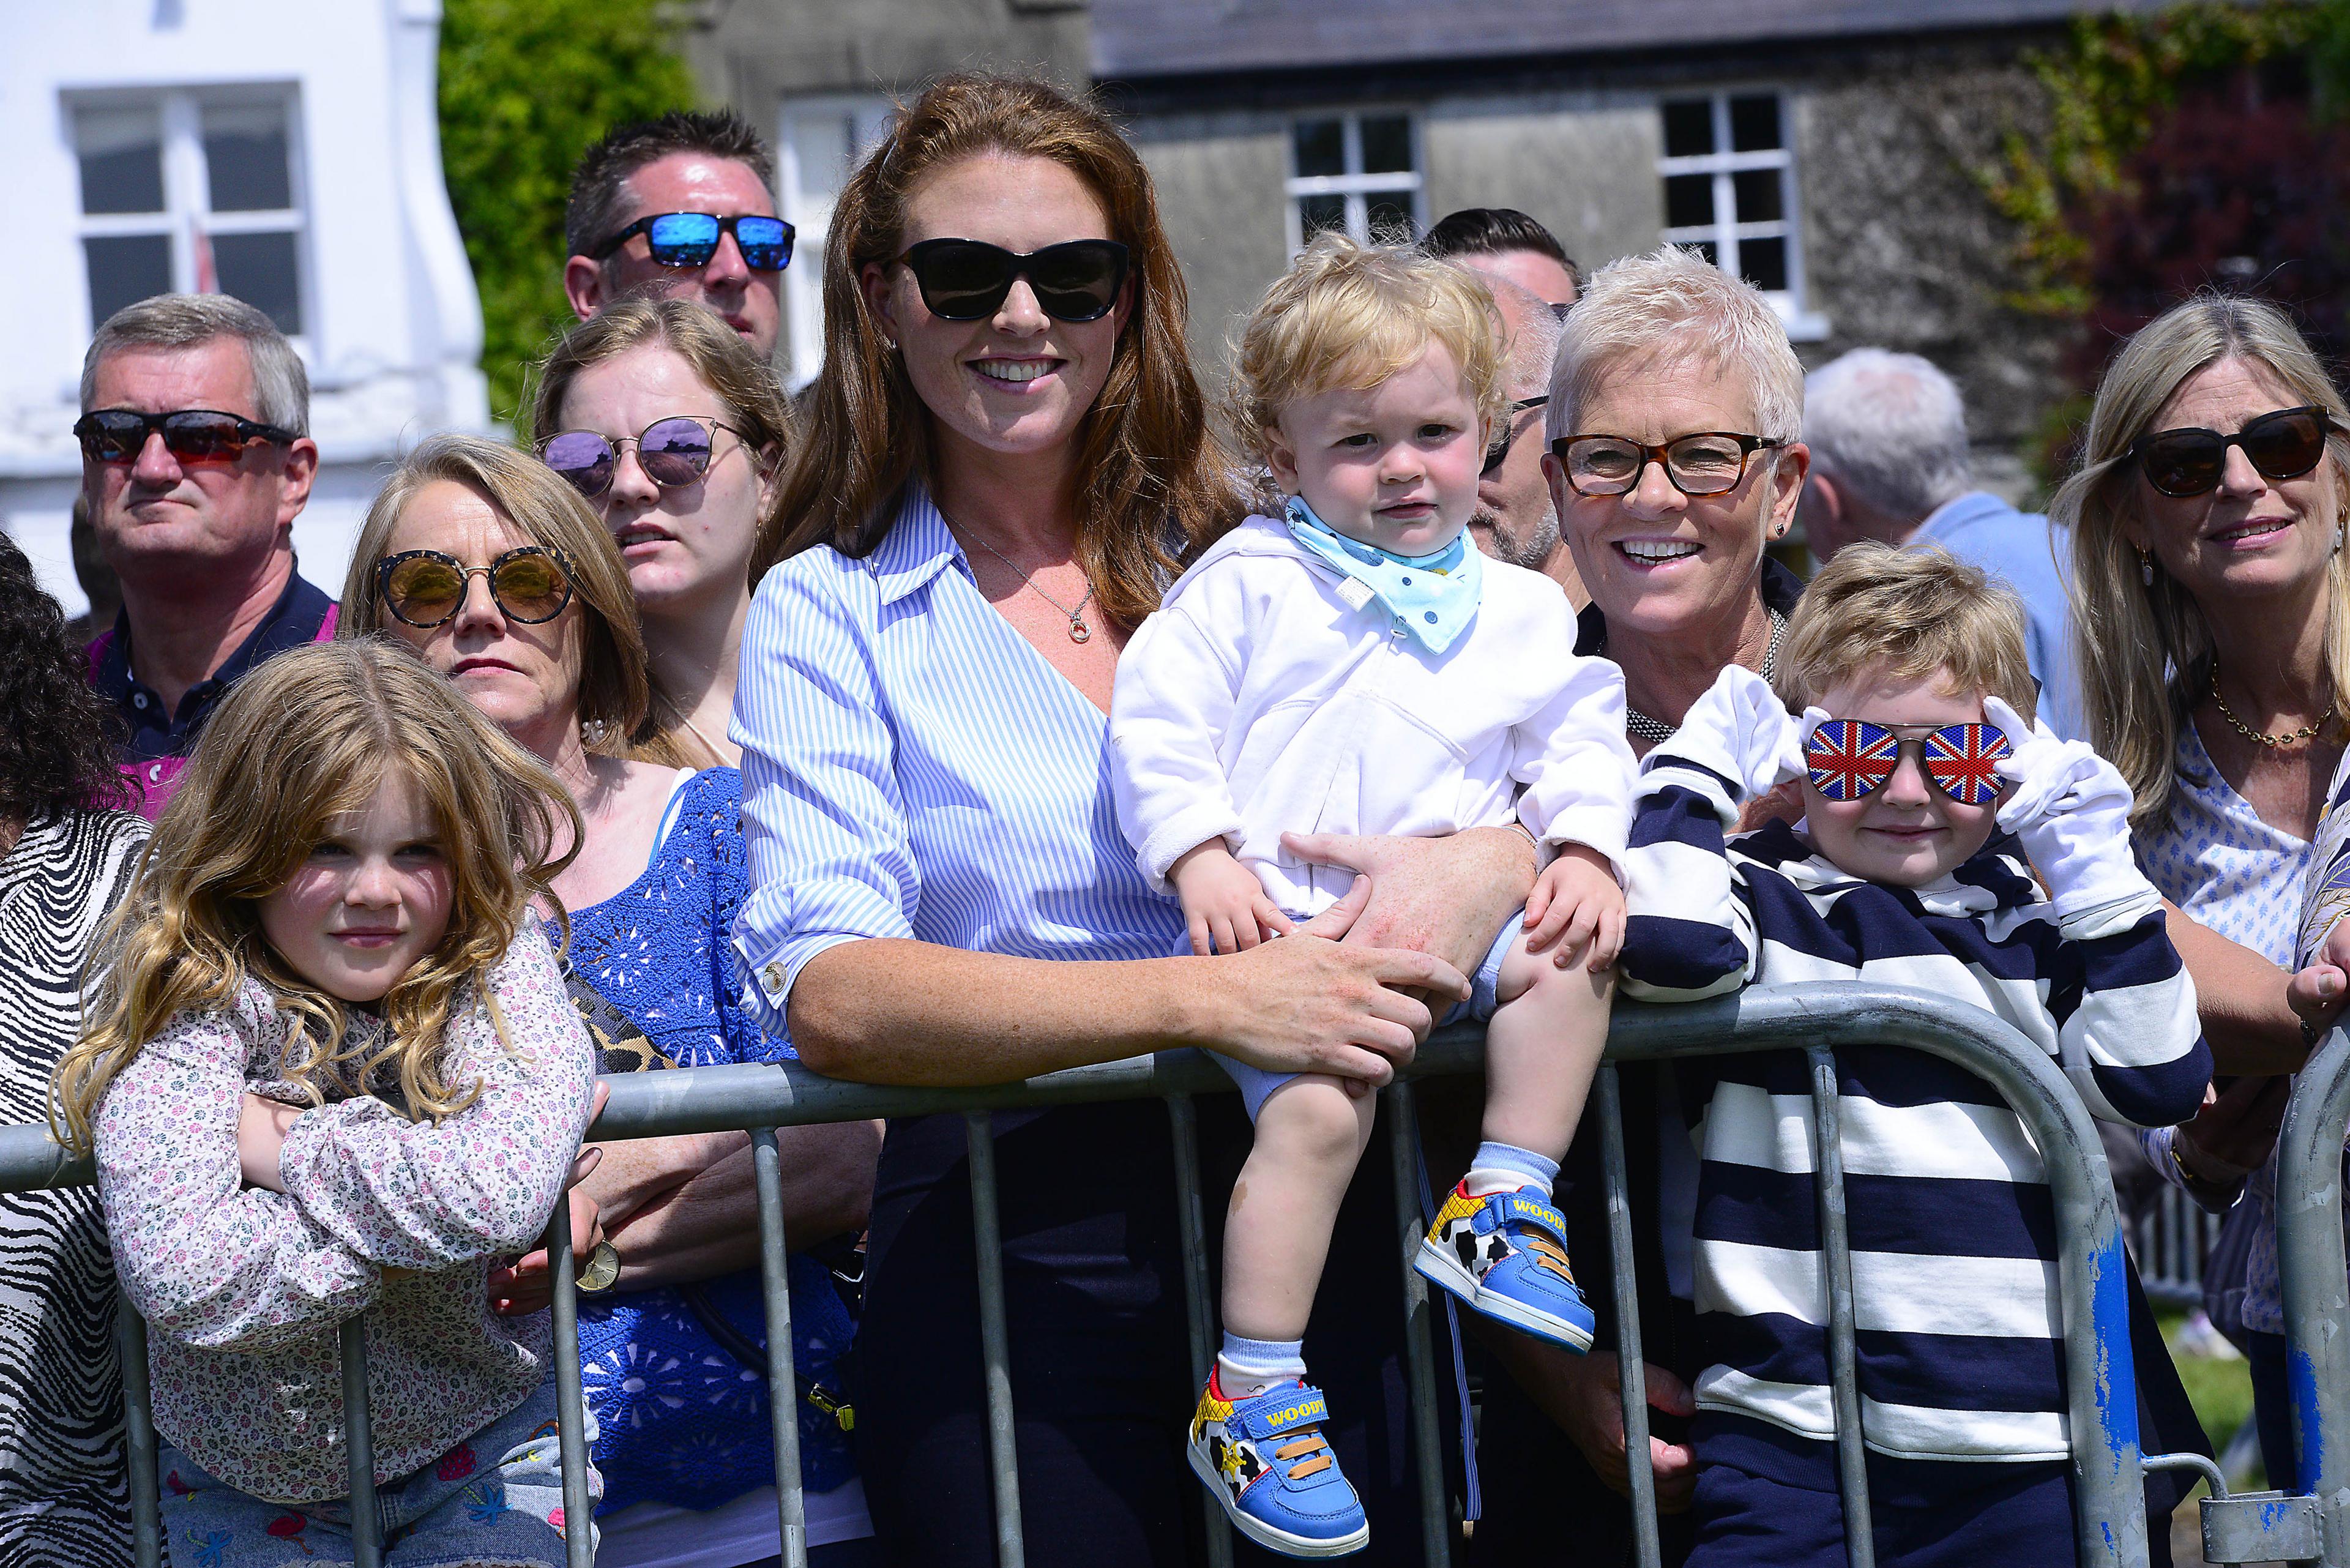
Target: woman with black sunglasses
2213, 626
673, 430
1005, 459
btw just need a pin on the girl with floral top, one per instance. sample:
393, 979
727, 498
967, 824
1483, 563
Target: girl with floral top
331, 1069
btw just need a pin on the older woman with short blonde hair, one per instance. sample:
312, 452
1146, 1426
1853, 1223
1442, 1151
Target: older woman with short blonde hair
2212, 630
1674, 424
493, 570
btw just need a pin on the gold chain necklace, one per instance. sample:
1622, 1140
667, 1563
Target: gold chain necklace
2307, 733
1079, 630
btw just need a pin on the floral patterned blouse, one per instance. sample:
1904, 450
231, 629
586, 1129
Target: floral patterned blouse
243, 1289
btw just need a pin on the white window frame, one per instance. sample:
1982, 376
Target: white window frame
187, 213
1802, 325
1354, 185
806, 202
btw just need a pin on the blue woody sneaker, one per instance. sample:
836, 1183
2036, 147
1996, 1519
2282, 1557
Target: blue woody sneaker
1506, 1255
1265, 1458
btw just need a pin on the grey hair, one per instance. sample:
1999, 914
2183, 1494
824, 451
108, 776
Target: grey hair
1675, 301
281, 388
1892, 428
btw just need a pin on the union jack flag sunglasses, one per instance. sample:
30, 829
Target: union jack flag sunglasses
1852, 758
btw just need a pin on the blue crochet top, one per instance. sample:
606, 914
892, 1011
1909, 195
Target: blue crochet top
682, 1421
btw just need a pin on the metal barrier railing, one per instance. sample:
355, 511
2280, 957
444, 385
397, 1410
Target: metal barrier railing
2170, 1238
2101, 1383
2314, 1280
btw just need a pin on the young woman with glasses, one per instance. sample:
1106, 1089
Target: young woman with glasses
498, 574
670, 428
1007, 457
2213, 626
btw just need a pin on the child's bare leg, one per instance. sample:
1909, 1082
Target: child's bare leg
1310, 1134
1498, 1242
1541, 1050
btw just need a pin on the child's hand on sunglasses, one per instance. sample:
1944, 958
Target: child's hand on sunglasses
2070, 808
1740, 731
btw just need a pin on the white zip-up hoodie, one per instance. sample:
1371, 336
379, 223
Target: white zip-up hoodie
1259, 700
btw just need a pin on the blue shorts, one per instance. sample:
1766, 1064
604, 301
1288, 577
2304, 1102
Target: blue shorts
497, 1497
1255, 1083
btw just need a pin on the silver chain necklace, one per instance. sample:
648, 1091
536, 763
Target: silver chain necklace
1079, 630
1656, 730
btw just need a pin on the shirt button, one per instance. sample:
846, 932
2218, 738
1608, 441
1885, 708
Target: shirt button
1431, 618
139, 700
1406, 582
155, 773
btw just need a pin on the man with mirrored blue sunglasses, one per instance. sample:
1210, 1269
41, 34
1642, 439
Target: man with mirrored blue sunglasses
682, 207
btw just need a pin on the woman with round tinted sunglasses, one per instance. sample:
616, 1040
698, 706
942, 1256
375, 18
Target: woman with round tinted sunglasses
2212, 627
458, 558
670, 428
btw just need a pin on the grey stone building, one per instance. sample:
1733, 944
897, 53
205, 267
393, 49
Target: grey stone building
1829, 150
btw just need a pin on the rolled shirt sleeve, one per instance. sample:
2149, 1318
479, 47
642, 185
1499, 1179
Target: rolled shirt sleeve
823, 822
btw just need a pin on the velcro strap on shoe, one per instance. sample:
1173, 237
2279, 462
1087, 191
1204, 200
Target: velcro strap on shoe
1521, 1208
1283, 1410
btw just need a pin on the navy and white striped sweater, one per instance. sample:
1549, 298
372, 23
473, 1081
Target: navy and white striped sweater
1953, 1224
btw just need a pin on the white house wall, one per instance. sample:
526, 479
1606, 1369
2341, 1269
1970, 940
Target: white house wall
393, 325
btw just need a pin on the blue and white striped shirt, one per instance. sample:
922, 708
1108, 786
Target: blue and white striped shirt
1954, 1250
911, 767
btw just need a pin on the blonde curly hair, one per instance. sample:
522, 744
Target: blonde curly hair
306, 737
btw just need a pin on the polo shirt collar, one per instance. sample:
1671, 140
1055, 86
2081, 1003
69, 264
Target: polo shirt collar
295, 619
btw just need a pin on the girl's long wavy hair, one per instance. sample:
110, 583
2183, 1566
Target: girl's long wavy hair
1153, 483
2144, 652
306, 737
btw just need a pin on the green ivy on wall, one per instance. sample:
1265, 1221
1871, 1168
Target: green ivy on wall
2108, 85
526, 85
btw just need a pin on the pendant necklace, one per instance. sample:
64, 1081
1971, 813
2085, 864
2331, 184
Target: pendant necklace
1079, 630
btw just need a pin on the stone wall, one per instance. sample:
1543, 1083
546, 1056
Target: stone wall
1902, 248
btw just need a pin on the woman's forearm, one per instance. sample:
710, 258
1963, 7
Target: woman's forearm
891, 1011
709, 1224
2239, 997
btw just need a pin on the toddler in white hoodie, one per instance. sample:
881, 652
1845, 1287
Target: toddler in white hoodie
1357, 667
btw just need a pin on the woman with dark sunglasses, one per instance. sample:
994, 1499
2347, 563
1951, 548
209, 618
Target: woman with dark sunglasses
671, 428
2212, 627
1005, 459
498, 573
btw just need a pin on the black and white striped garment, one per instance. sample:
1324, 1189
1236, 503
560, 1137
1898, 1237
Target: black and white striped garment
1952, 1225
63, 1500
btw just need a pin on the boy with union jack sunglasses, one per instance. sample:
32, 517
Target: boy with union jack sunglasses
1931, 800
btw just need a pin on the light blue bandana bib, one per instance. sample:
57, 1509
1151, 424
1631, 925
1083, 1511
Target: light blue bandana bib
1433, 598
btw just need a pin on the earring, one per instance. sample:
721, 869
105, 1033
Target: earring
2145, 565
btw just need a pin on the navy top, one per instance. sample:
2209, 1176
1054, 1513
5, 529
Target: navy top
681, 1420
296, 619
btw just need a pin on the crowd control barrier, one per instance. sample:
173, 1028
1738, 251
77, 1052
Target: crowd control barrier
2311, 1523
2101, 1383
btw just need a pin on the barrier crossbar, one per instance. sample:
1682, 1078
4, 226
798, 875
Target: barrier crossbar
2101, 1385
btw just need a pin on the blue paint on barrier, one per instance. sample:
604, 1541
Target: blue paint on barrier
2116, 1371
2309, 1423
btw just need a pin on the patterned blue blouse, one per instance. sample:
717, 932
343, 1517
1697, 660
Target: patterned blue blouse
683, 1422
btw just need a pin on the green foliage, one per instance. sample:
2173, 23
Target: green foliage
526, 85
2107, 86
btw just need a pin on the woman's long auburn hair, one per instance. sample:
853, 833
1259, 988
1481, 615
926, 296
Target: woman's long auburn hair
306, 736
2144, 652
1153, 486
